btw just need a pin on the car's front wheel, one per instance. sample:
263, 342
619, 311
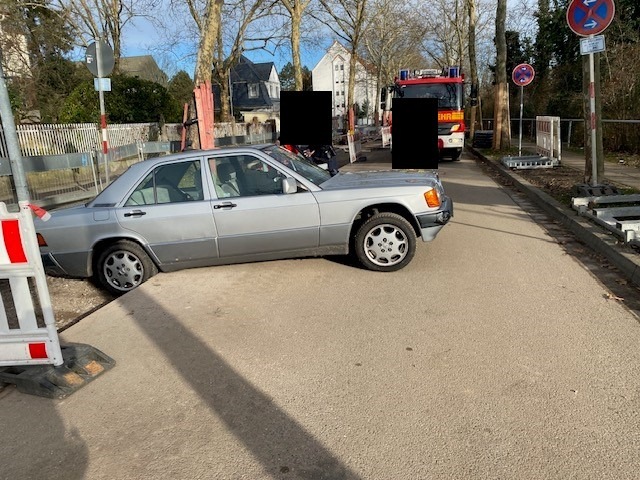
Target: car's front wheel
123, 266
386, 242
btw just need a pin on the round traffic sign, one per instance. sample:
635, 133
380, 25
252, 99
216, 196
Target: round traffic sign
590, 17
105, 58
523, 74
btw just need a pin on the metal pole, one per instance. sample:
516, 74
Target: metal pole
11, 137
592, 104
103, 116
521, 109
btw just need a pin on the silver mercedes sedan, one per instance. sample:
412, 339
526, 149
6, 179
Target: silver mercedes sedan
241, 204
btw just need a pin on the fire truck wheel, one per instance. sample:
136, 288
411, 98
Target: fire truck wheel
455, 156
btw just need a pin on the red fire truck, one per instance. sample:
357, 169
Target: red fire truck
448, 87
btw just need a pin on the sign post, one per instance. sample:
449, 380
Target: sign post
99, 60
522, 76
588, 18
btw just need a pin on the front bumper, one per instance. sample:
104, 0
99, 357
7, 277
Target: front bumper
431, 223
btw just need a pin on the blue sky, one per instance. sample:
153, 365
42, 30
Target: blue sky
142, 38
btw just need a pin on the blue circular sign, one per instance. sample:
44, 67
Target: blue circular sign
523, 74
590, 17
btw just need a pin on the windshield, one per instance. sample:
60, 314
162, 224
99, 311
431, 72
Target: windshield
449, 95
298, 164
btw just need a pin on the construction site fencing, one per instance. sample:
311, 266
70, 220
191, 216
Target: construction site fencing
64, 164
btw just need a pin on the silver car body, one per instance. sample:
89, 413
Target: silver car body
210, 229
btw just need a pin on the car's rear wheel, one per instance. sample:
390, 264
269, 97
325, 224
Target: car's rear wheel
123, 266
386, 242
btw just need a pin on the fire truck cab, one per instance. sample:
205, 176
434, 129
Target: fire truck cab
448, 87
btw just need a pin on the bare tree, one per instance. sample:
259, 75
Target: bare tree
501, 131
102, 19
447, 33
350, 24
392, 41
221, 43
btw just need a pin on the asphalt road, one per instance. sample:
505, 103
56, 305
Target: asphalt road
493, 355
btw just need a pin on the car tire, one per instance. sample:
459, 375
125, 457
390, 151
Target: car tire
123, 266
386, 242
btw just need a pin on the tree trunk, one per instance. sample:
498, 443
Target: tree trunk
473, 66
204, 60
296, 19
225, 94
206, 46
501, 130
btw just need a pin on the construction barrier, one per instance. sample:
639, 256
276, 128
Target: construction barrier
355, 147
548, 142
31, 356
22, 340
386, 136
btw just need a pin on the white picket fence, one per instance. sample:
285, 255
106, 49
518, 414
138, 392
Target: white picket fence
58, 139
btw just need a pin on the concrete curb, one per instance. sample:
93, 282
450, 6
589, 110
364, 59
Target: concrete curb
621, 256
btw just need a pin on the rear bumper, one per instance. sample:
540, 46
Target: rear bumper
431, 223
51, 267
76, 265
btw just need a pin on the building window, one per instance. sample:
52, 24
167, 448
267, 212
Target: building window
341, 67
253, 90
337, 67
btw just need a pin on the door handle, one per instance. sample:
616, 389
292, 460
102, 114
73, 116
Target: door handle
135, 213
224, 205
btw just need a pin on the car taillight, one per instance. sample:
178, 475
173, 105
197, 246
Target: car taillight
41, 241
432, 198
458, 127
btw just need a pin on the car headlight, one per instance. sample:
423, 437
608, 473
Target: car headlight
432, 197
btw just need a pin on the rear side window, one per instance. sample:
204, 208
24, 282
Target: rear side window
172, 183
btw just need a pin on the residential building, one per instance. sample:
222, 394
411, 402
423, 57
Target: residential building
15, 56
255, 90
332, 74
143, 67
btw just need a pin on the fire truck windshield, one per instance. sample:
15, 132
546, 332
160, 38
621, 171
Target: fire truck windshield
449, 95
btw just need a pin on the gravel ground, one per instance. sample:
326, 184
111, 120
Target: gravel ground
74, 299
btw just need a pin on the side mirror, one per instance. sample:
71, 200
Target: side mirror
289, 185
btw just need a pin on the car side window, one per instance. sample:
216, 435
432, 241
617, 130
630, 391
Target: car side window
171, 183
244, 176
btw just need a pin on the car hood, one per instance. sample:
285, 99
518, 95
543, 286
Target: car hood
393, 178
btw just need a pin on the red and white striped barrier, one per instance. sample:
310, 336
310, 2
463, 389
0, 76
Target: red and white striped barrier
355, 146
386, 136
22, 340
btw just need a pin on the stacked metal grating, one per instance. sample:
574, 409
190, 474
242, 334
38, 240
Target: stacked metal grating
529, 162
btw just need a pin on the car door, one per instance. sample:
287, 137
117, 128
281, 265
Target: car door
170, 212
253, 216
